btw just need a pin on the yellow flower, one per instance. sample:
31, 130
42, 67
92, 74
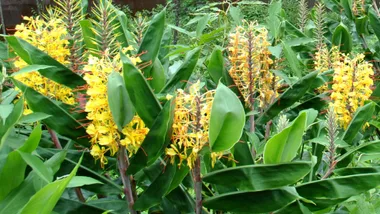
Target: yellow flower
351, 86
50, 37
250, 64
102, 128
191, 124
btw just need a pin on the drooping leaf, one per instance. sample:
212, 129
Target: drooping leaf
140, 93
331, 191
259, 177
227, 120
151, 42
252, 201
61, 120
183, 73
89, 36
283, 146
44, 201
31, 68
156, 141
33, 56
362, 115
288, 98
5, 111
216, 65
118, 100
156, 191
293, 62
11, 120
13, 171
78, 181
38, 166
33, 117
342, 38
158, 76
374, 21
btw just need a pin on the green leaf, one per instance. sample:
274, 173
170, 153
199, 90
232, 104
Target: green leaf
259, 177
11, 120
140, 93
362, 25
38, 166
183, 73
291, 57
13, 171
156, 191
374, 21
33, 117
33, 56
252, 201
288, 98
236, 15
31, 68
8, 96
227, 120
44, 201
78, 181
69, 206
5, 111
342, 38
347, 4
89, 36
158, 76
156, 140
119, 102
370, 147
215, 66
330, 191
283, 146
61, 120
202, 23
152, 41
362, 115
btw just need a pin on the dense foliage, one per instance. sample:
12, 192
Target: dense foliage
267, 112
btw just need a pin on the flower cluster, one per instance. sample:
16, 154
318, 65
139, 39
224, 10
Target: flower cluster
191, 125
250, 64
351, 86
102, 128
50, 37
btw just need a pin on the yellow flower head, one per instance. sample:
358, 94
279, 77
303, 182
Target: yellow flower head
351, 86
191, 124
102, 128
250, 64
50, 37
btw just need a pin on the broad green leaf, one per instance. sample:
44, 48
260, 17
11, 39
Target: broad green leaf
347, 5
156, 191
362, 24
227, 120
362, 115
78, 181
33, 117
8, 96
156, 141
181, 172
122, 31
31, 68
151, 42
356, 170
140, 93
13, 171
38, 166
33, 56
202, 23
5, 111
288, 98
283, 146
89, 36
252, 201
369, 148
215, 65
70, 206
21, 195
61, 120
44, 201
330, 191
118, 100
181, 30
11, 120
236, 15
291, 57
295, 207
374, 21
183, 73
342, 38
158, 76
259, 177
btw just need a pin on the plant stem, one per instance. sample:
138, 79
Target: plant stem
54, 138
123, 164
79, 194
197, 185
2, 19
